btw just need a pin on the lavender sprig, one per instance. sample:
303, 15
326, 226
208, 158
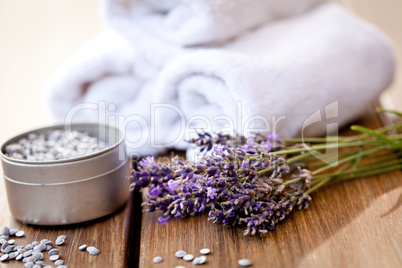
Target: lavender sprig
233, 184
270, 142
258, 182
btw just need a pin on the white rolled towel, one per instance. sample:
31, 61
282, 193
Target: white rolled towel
327, 59
106, 81
198, 22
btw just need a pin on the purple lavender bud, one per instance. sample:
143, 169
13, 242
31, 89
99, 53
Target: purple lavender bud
219, 148
155, 191
272, 136
266, 145
173, 185
211, 192
163, 220
147, 162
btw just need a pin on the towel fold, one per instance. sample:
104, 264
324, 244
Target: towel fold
326, 60
106, 81
199, 22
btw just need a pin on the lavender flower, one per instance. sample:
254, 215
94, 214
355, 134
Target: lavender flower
240, 185
253, 182
211, 193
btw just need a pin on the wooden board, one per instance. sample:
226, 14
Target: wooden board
108, 234
352, 224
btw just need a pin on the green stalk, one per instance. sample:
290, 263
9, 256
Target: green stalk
376, 165
352, 157
327, 146
369, 173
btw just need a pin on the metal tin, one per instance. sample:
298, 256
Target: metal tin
71, 190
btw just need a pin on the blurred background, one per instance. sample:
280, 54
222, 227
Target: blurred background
38, 36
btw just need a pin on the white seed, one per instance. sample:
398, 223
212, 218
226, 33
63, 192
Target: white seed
12, 255
244, 262
62, 237
31, 259
45, 242
27, 254
13, 231
3, 247
61, 266
35, 243
46, 146
8, 249
199, 260
38, 255
54, 257
205, 251
93, 250
59, 242
29, 247
48, 247
82, 247
54, 251
180, 254
188, 257
20, 234
5, 231
158, 259
40, 247
3, 241
59, 262
4, 257
11, 242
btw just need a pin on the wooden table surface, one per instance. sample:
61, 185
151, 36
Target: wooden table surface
109, 234
352, 224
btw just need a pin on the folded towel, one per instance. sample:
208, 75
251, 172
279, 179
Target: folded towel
290, 68
196, 22
106, 81
327, 59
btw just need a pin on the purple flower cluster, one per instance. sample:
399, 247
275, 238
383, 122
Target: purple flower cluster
241, 185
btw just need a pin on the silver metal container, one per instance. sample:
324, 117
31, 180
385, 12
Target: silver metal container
70, 190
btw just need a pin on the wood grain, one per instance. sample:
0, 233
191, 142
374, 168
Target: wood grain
352, 224
108, 234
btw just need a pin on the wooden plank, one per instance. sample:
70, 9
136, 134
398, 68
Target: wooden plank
108, 234
352, 224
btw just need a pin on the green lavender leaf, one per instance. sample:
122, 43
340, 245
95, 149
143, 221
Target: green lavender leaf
376, 135
382, 110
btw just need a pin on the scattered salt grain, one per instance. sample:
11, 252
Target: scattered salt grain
244, 262
93, 250
199, 260
158, 259
188, 257
205, 251
54, 257
20, 233
180, 254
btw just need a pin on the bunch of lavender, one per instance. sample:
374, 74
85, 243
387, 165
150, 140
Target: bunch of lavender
259, 182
